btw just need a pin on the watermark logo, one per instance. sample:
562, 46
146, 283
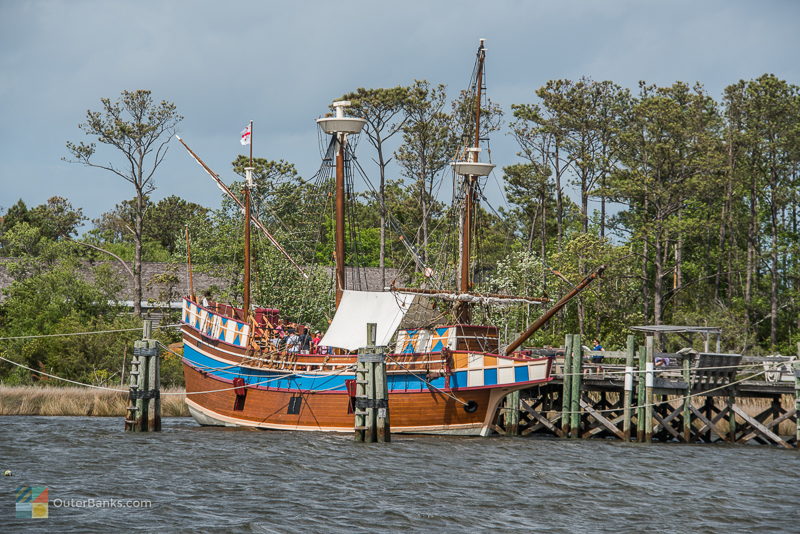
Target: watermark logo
32, 502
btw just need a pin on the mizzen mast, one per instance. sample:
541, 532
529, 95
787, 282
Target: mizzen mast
471, 170
340, 126
247, 203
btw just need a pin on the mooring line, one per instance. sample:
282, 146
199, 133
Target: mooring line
412, 373
59, 378
86, 333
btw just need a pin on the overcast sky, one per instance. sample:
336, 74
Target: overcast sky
282, 63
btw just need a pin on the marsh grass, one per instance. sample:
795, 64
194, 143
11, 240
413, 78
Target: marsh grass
50, 400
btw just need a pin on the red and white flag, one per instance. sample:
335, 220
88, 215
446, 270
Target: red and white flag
246, 136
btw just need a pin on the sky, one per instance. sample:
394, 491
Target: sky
281, 64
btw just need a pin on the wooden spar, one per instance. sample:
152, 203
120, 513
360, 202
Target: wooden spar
189, 262
514, 345
479, 87
247, 215
466, 296
463, 309
339, 243
246, 289
236, 199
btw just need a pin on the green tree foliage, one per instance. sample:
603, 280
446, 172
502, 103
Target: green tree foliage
55, 220
52, 292
429, 144
385, 110
703, 227
163, 233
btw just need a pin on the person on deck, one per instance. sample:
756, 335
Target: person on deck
597, 358
305, 342
315, 342
292, 341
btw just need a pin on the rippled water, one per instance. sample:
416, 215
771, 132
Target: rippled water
214, 479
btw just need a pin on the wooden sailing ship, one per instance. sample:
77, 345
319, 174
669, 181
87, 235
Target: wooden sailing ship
442, 378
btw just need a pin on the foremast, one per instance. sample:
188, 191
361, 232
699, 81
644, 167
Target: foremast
340, 126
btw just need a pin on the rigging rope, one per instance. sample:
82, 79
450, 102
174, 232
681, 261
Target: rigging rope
426, 381
139, 329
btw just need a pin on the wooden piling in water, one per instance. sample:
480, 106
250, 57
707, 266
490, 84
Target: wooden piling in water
628, 389
648, 408
671, 414
575, 396
566, 388
686, 364
640, 394
382, 398
511, 414
361, 393
372, 430
145, 377
797, 399
372, 393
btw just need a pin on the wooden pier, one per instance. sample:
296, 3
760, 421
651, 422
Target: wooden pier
644, 395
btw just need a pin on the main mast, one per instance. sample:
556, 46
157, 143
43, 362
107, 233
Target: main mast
340, 126
470, 170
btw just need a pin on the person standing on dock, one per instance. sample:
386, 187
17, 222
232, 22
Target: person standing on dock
597, 358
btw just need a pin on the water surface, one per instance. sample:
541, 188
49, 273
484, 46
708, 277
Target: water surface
215, 479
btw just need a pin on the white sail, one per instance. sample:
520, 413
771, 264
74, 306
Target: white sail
348, 330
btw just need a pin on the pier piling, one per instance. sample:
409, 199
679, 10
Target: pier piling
145, 378
640, 394
689, 397
686, 374
797, 401
628, 387
648, 408
372, 422
566, 390
575, 397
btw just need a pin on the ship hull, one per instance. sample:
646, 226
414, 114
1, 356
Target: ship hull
310, 392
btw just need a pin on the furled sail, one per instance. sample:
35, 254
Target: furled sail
348, 330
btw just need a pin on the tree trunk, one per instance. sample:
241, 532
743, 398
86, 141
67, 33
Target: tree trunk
559, 199
137, 258
584, 204
645, 274
603, 208
751, 245
773, 293
382, 198
658, 278
543, 243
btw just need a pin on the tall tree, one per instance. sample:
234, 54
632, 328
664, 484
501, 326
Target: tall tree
540, 131
670, 150
385, 110
428, 146
772, 112
140, 130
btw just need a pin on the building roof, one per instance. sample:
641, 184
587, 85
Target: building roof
164, 281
